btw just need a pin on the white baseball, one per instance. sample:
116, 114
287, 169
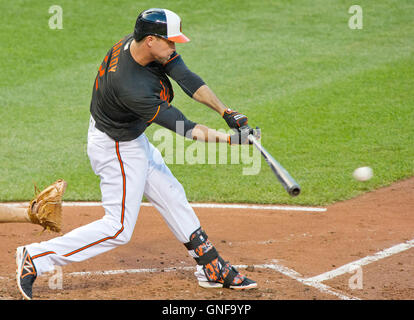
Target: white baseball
363, 173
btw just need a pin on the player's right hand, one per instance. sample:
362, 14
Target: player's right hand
242, 135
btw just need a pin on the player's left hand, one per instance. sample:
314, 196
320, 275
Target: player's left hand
234, 119
242, 135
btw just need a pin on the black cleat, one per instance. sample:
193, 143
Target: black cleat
26, 272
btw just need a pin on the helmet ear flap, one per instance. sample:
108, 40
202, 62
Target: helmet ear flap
137, 36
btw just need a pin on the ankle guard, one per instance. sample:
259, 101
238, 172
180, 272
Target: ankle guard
215, 268
200, 248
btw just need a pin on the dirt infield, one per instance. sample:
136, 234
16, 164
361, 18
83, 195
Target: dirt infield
293, 255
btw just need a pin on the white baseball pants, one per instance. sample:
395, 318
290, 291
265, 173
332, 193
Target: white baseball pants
127, 171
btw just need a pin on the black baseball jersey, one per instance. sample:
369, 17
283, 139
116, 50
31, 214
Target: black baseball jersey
128, 97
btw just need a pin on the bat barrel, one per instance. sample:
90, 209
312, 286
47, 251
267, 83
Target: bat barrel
290, 185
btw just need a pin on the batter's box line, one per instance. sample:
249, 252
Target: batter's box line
276, 267
315, 282
352, 266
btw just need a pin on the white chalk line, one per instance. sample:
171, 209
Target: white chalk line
315, 282
352, 266
194, 205
277, 267
319, 286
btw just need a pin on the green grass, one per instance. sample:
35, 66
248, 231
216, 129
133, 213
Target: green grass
328, 99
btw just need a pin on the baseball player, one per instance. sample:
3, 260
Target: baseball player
131, 91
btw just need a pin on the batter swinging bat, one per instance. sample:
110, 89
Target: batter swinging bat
282, 175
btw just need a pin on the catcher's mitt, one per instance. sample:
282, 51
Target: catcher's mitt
46, 208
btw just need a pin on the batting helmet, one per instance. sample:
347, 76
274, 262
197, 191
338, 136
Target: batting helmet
159, 22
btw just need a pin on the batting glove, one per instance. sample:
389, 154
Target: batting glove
234, 119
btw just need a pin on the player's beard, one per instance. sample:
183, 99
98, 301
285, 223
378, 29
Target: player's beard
162, 60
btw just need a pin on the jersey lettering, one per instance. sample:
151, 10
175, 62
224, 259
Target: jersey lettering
101, 72
112, 64
114, 60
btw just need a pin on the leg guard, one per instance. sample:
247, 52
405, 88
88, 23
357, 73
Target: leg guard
215, 268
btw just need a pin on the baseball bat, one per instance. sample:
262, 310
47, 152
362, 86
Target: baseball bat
281, 173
